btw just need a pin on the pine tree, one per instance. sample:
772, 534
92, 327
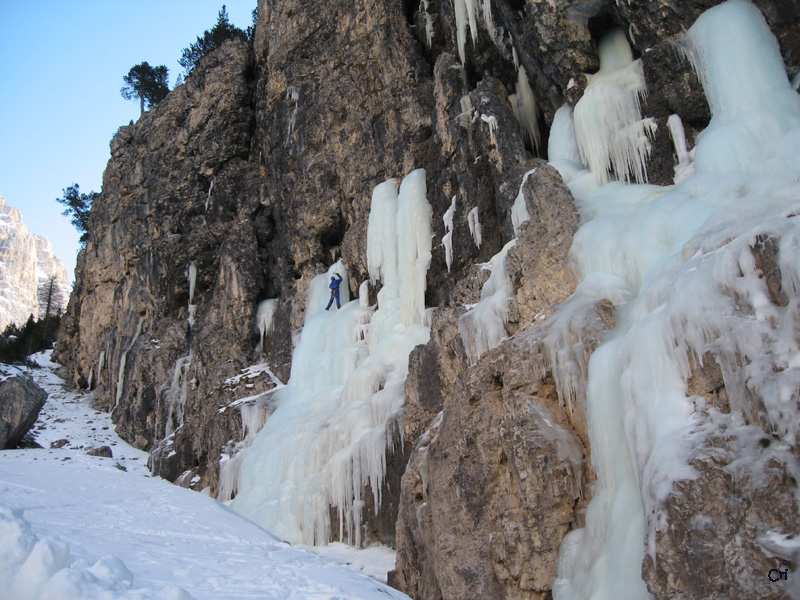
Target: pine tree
148, 84
78, 207
51, 299
211, 40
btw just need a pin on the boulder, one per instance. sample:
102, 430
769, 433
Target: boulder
20, 402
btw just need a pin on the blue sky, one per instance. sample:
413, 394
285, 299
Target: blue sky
61, 69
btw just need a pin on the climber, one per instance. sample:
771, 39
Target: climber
334, 291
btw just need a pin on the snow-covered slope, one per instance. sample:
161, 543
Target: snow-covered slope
27, 262
75, 526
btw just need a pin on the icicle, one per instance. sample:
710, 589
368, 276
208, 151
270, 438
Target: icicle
474, 226
292, 95
265, 320
191, 273
487, 16
101, 361
491, 121
208, 196
466, 12
523, 103
447, 238
519, 211
685, 166
612, 136
123, 360
427, 19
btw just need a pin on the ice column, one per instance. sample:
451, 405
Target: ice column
447, 238
745, 82
265, 320
473, 219
332, 425
523, 103
562, 143
685, 165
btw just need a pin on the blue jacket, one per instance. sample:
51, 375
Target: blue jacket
335, 283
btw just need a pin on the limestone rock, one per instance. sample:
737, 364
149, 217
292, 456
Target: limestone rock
539, 264
494, 485
104, 451
20, 402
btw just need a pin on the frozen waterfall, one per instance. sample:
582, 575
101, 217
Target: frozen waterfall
682, 255
333, 422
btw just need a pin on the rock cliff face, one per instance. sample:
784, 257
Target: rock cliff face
255, 176
27, 262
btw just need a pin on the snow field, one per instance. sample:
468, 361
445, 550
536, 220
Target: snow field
79, 527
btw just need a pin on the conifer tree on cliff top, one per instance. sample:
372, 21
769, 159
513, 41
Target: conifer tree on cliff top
147, 83
212, 39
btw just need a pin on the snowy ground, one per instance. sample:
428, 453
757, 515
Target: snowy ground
74, 526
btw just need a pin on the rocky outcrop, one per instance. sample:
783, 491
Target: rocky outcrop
255, 176
20, 402
27, 267
163, 312
493, 486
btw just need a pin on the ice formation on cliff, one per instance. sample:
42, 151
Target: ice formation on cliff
265, 320
612, 136
473, 220
681, 262
523, 103
333, 421
447, 238
484, 326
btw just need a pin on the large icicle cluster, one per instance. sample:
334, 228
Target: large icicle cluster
466, 12
612, 136
331, 428
680, 265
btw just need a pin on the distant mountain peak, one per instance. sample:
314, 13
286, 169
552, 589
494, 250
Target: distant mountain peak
27, 262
